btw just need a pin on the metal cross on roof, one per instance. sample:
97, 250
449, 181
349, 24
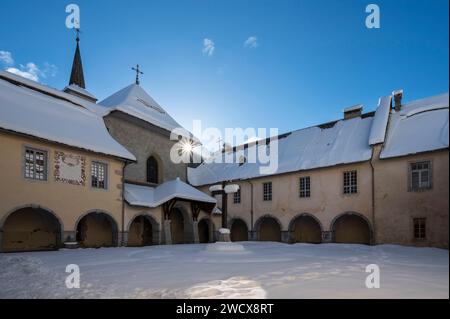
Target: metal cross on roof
137, 73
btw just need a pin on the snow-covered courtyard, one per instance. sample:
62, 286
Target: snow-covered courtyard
262, 270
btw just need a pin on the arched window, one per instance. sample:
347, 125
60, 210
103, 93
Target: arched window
152, 170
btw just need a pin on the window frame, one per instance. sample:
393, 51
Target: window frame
307, 191
344, 187
267, 196
45, 166
430, 176
106, 165
157, 165
237, 197
422, 229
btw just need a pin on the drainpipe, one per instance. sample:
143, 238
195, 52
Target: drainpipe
373, 195
251, 207
123, 202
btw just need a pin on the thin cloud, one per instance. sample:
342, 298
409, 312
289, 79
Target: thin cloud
208, 47
251, 42
30, 70
6, 57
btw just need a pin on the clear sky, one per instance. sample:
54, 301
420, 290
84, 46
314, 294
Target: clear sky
304, 61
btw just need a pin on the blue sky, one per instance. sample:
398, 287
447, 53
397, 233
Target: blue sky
312, 58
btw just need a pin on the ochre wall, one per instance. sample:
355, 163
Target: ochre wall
327, 200
68, 202
396, 207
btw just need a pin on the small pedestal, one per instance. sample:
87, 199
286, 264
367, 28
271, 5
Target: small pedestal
71, 245
224, 235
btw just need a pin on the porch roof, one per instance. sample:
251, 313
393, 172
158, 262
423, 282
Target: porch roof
147, 196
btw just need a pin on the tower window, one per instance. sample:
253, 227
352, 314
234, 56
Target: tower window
152, 170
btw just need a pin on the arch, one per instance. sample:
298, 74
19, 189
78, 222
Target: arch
96, 229
177, 221
204, 230
143, 230
31, 228
305, 228
239, 230
268, 228
153, 169
351, 228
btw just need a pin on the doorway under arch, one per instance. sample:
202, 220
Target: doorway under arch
351, 228
239, 230
269, 229
204, 231
177, 226
305, 229
142, 231
97, 229
31, 229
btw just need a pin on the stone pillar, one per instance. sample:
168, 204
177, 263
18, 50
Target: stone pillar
327, 237
167, 232
123, 238
195, 231
252, 235
286, 236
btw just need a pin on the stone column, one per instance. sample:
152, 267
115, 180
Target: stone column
167, 232
285, 236
195, 231
123, 240
327, 237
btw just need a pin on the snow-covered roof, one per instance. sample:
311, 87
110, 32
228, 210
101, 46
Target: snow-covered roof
380, 121
147, 196
420, 126
34, 110
134, 101
80, 90
345, 141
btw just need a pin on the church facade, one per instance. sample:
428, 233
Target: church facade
82, 173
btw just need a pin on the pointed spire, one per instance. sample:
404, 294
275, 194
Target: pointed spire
77, 76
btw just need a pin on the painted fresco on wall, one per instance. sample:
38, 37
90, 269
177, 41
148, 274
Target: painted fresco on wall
70, 168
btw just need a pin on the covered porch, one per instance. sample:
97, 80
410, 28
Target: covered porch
172, 210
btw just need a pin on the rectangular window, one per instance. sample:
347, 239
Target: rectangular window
305, 187
237, 197
35, 164
99, 175
420, 176
267, 191
350, 182
419, 228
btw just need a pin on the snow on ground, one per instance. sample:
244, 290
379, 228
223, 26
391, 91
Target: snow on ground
262, 270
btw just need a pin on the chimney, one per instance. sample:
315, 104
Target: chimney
353, 111
398, 94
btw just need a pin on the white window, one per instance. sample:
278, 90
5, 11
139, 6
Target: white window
35, 164
237, 197
420, 176
305, 187
267, 191
350, 182
99, 175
